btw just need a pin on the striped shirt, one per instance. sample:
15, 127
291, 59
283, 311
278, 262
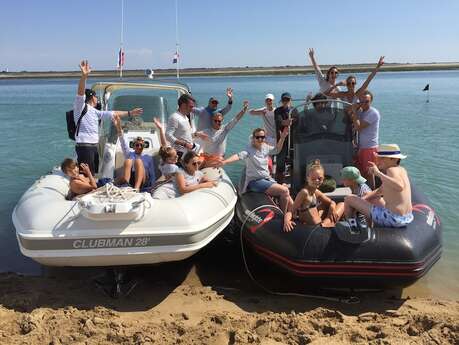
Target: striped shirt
89, 125
362, 189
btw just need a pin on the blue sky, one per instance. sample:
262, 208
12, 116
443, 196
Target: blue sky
55, 35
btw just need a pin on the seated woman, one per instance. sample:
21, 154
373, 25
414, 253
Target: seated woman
257, 176
138, 168
79, 183
311, 205
185, 180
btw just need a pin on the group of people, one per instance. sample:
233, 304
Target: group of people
187, 148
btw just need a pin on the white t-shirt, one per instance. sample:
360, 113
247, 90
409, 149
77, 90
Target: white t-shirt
170, 190
324, 85
269, 124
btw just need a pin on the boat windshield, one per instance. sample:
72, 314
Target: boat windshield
156, 103
320, 119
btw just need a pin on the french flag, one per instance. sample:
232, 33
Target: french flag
120, 58
175, 58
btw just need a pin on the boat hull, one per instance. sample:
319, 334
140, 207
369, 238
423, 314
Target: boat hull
384, 257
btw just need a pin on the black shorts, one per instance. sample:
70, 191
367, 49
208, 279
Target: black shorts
89, 154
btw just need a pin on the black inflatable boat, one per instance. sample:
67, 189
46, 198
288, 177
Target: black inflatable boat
343, 256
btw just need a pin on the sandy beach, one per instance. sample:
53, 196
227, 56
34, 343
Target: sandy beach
207, 300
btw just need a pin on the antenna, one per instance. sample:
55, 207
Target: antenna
177, 66
121, 52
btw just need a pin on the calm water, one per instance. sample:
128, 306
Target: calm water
34, 139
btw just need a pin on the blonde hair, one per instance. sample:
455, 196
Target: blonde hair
166, 152
314, 165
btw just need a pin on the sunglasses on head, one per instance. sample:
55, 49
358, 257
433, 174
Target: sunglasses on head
260, 137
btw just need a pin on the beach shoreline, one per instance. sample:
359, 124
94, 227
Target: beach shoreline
183, 309
233, 71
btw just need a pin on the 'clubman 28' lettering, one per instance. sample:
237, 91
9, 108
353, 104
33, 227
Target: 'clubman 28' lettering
110, 243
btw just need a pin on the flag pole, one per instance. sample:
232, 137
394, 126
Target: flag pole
177, 41
121, 57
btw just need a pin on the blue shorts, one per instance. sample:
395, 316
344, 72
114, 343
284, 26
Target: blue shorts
383, 217
260, 185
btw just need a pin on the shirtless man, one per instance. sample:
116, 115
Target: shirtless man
79, 183
395, 191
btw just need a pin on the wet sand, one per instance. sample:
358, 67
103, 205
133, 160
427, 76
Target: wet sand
236, 71
209, 299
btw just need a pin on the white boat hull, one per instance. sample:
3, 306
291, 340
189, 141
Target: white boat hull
53, 231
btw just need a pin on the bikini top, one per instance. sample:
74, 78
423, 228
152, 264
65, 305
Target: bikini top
312, 204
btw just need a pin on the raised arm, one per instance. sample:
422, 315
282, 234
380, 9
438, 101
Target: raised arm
229, 94
314, 63
133, 112
258, 112
392, 179
280, 143
162, 135
85, 70
119, 131
370, 77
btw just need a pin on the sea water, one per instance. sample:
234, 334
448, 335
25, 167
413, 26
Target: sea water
34, 139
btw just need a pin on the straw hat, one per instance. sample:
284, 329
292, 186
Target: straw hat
390, 151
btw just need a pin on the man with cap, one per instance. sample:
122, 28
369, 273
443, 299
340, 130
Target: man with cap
87, 135
204, 114
395, 191
267, 114
283, 119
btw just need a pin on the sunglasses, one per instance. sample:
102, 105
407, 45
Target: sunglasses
364, 102
269, 100
260, 137
195, 164
138, 145
218, 121
334, 72
351, 83
285, 99
214, 102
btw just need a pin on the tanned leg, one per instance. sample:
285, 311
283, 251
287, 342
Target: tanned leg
139, 174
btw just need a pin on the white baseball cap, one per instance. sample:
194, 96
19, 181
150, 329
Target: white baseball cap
269, 96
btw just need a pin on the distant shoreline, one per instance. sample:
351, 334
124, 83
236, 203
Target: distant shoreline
235, 71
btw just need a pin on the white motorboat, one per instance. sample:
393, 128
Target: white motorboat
113, 227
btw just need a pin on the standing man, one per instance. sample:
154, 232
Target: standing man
180, 130
365, 119
87, 133
283, 119
214, 148
267, 114
204, 114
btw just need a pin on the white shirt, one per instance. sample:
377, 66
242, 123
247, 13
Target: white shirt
179, 127
89, 125
269, 124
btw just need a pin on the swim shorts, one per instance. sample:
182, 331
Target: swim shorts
383, 217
